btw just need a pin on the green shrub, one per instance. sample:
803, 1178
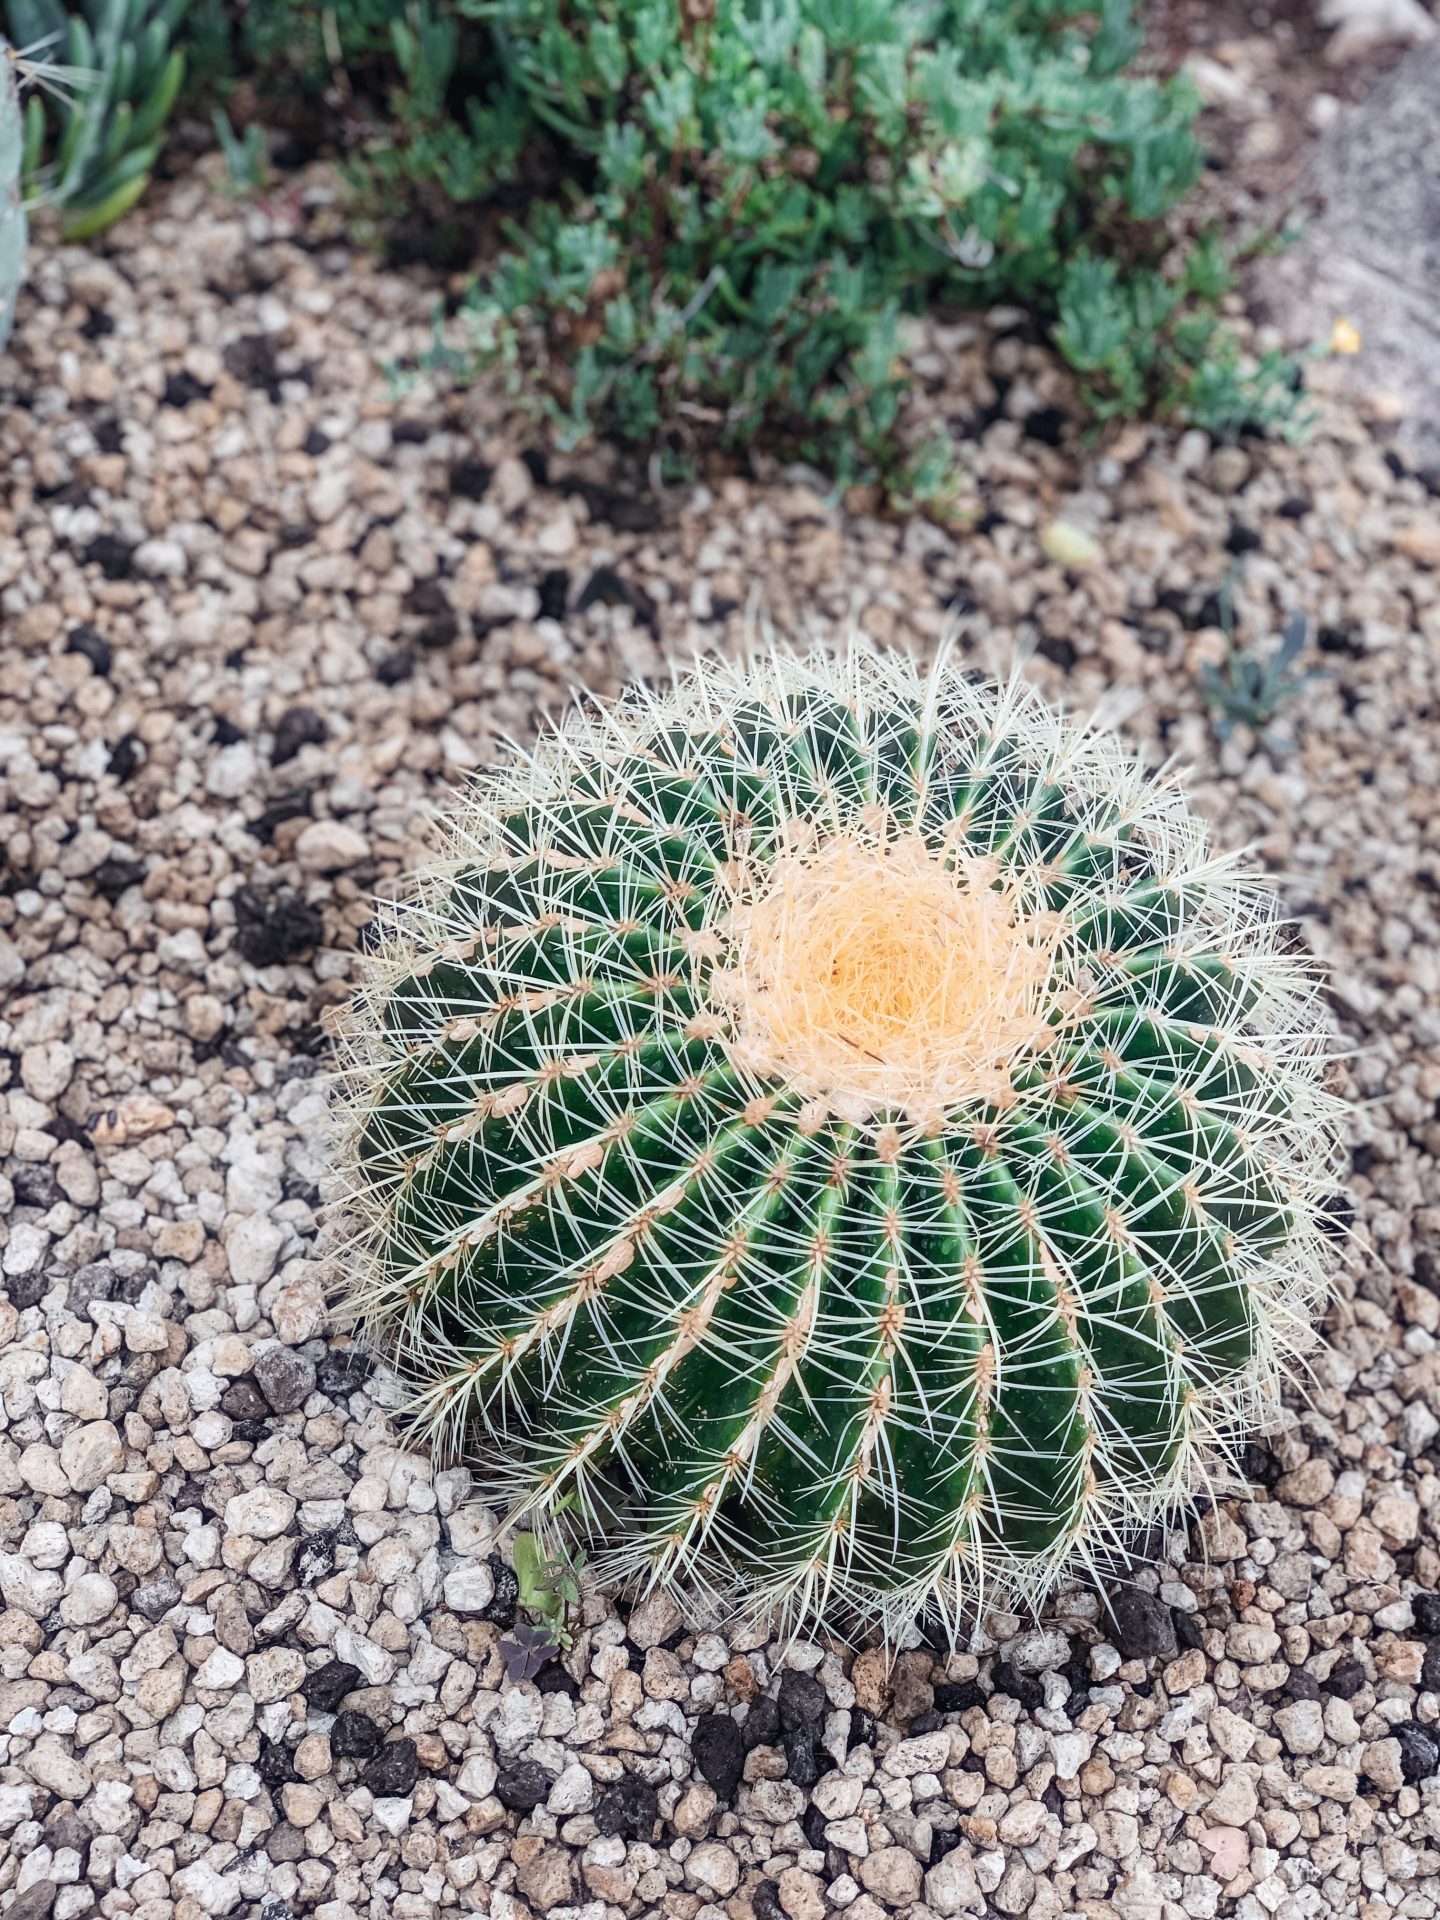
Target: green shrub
726, 207
92, 142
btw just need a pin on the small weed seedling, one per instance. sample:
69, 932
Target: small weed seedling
549, 1589
1251, 688
245, 168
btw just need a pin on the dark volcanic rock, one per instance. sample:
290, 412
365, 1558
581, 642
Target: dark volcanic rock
297, 727
1419, 1750
96, 649
766, 1901
630, 1808
802, 1700
762, 1724
501, 1610
343, 1370
470, 480
274, 927
355, 1736
719, 1752
800, 1759
1024, 1687
328, 1685
522, 1788
114, 556
243, 1400
394, 1770
114, 877
35, 1185
316, 1559
286, 1378
1144, 1628
276, 1765
1346, 1679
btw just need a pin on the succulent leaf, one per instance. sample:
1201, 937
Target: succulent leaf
839, 1133
121, 79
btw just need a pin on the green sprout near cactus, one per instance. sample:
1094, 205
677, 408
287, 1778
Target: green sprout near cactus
547, 1587
840, 1134
548, 1590
1252, 687
244, 155
91, 150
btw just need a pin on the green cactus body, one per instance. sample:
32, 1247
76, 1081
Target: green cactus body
839, 1131
12, 206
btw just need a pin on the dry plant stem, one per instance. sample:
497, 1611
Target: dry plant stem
844, 1128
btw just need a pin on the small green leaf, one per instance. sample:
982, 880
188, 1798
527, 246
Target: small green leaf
86, 223
155, 111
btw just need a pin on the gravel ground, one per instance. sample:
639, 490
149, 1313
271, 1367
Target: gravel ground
261, 610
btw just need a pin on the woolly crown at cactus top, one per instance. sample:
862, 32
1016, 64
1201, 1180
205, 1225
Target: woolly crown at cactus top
837, 1136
